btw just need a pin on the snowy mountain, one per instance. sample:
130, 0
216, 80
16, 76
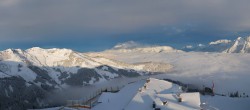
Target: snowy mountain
30, 75
240, 45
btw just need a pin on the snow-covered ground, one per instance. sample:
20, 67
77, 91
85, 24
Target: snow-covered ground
135, 97
120, 100
229, 72
225, 103
159, 91
130, 98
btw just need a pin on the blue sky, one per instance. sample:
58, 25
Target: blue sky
95, 25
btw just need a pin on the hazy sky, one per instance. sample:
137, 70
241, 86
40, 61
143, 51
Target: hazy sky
86, 25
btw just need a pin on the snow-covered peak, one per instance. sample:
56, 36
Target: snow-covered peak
52, 50
60, 57
7, 51
239, 41
240, 45
9, 54
34, 49
223, 41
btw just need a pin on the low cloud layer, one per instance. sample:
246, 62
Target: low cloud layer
54, 21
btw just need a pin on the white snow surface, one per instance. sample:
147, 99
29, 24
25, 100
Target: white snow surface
119, 100
158, 91
129, 98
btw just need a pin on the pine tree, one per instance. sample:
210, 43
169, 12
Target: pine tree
237, 94
231, 95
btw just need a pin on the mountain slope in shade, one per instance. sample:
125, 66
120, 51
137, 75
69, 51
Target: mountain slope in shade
28, 76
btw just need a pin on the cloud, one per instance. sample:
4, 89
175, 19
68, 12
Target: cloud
128, 45
52, 20
8, 3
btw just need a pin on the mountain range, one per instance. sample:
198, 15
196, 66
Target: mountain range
239, 45
29, 76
